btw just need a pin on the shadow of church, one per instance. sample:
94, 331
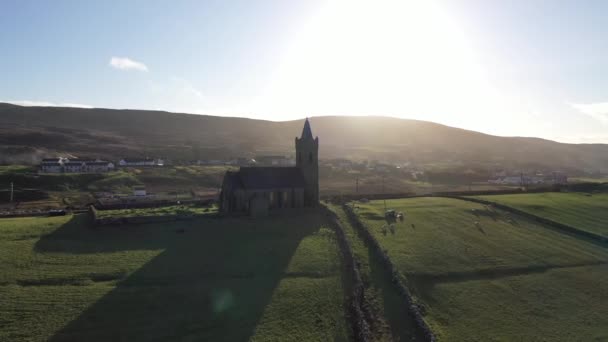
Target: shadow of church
212, 280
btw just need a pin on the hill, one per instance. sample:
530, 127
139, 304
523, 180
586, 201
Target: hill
29, 133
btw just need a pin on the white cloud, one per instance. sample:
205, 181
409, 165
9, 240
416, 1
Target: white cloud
124, 63
598, 111
28, 103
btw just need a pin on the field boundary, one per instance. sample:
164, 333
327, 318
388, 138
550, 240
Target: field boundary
564, 228
356, 295
405, 293
119, 220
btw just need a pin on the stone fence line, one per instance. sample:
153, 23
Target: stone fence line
395, 275
564, 228
356, 295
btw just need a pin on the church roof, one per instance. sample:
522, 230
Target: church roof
306, 131
269, 177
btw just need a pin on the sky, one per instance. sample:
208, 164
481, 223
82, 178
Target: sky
513, 68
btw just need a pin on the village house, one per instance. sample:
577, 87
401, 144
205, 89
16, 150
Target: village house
256, 190
73, 167
98, 166
59, 165
51, 166
139, 190
558, 177
140, 162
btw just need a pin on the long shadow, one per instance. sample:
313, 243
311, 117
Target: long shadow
212, 281
401, 322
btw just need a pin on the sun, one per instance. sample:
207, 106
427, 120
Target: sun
397, 58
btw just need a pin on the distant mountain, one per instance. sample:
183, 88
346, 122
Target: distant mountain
29, 133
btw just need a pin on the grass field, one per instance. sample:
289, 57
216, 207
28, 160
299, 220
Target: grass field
209, 279
483, 274
584, 211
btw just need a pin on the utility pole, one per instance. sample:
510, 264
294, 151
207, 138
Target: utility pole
12, 190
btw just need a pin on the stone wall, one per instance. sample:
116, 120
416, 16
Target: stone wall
564, 228
356, 292
118, 220
396, 277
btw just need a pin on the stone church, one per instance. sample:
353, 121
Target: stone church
255, 190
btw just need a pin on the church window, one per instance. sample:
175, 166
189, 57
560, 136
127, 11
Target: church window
310, 157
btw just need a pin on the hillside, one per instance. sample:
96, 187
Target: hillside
30, 133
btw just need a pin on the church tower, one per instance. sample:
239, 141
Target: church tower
307, 160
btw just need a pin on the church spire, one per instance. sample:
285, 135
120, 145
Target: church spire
306, 131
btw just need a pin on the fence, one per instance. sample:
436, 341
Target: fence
547, 222
140, 219
356, 297
411, 305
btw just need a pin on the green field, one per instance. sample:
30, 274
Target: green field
585, 211
483, 274
204, 280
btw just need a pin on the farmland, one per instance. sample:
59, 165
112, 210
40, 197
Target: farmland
585, 211
207, 279
482, 274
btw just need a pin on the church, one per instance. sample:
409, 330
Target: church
256, 190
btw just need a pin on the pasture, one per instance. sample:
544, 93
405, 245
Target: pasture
482, 274
208, 279
585, 211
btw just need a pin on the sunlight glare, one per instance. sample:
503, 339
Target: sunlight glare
389, 57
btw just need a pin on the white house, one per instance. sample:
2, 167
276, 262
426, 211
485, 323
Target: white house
139, 191
140, 162
98, 166
73, 167
51, 167
58, 165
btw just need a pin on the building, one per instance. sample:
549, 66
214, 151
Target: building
558, 177
59, 165
51, 166
98, 166
73, 166
139, 190
140, 162
255, 190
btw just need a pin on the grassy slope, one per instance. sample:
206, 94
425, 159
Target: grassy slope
581, 210
221, 280
499, 279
